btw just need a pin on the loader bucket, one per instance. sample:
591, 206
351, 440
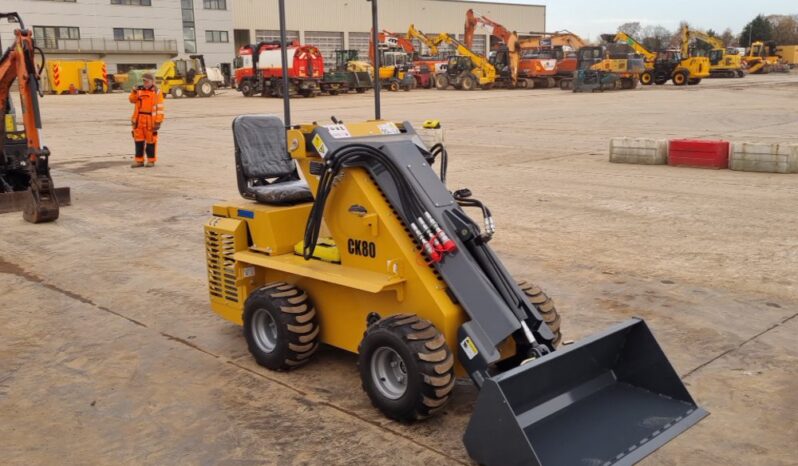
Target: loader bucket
611, 399
16, 201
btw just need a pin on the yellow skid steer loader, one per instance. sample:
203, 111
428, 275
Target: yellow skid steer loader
365, 248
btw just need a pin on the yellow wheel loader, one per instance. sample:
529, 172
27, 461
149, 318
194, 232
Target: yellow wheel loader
185, 78
347, 237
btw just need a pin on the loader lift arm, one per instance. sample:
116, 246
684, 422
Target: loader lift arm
640, 49
413, 33
17, 63
480, 62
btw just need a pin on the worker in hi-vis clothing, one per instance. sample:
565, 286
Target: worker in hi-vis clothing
147, 118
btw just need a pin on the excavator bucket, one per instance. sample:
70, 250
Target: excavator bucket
35, 212
611, 399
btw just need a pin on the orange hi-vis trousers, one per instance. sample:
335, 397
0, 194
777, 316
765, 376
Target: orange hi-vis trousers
148, 113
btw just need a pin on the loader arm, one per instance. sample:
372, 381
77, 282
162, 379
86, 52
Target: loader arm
17, 63
480, 62
622, 37
557, 38
413, 33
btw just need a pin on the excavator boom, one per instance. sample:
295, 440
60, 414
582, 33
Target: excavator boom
25, 181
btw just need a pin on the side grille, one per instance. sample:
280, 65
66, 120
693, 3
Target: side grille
221, 266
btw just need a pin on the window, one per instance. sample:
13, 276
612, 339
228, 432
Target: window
48, 36
133, 34
189, 35
132, 2
125, 67
215, 4
216, 36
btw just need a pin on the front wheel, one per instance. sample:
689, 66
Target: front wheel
177, 92
406, 367
468, 83
545, 307
441, 81
680, 78
646, 79
281, 326
246, 89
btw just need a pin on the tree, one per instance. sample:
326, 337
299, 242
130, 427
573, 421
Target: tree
758, 29
631, 29
728, 38
655, 37
785, 29
712, 33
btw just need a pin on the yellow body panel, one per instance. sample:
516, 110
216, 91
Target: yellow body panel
64, 76
381, 269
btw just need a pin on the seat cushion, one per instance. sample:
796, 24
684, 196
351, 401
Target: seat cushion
260, 146
284, 193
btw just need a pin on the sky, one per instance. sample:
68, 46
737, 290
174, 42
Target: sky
590, 18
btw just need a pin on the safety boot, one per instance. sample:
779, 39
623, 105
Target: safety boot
137, 165
149, 164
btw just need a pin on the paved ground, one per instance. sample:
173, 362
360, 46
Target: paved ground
109, 352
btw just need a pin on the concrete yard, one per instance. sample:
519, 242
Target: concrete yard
110, 354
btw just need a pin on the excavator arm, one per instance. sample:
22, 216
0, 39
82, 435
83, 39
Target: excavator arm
556, 39
17, 64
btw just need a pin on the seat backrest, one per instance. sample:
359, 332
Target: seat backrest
260, 146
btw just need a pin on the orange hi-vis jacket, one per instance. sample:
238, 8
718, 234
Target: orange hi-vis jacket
149, 110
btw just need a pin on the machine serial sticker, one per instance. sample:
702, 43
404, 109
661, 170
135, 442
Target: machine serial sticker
388, 128
338, 131
319, 145
469, 347
249, 272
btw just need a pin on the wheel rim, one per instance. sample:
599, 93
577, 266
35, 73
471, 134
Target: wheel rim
264, 330
645, 79
389, 373
206, 88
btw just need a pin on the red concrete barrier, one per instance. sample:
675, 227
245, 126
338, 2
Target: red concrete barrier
699, 153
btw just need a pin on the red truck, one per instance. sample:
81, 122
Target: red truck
259, 71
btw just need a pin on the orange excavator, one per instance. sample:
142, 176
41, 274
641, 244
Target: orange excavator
25, 181
519, 59
560, 45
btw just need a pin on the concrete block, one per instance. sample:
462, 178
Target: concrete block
761, 157
639, 150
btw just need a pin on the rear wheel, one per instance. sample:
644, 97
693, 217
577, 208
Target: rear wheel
406, 367
468, 83
646, 79
204, 88
441, 81
680, 78
177, 92
545, 306
281, 326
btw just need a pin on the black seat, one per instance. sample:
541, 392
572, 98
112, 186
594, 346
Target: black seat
265, 171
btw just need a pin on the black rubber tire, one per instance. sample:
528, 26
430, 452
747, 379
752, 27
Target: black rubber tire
565, 84
393, 86
176, 92
680, 78
441, 81
204, 88
469, 83
646, 78
545, 306
333, 92
297, 326
246, 89
428, 361
693, 82
361, 90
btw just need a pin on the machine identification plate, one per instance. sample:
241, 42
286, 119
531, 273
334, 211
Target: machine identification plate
321, 148
389, 128
469, 347
338, 131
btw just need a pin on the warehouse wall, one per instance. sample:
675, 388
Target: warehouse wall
353, 17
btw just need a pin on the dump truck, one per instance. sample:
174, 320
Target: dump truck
25, 180
258, 69
403, 277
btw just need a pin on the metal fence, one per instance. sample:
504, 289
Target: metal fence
103, 46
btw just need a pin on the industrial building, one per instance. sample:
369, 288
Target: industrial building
127, 33
337, 24
143, 33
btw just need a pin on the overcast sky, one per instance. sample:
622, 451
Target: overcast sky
589, 18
